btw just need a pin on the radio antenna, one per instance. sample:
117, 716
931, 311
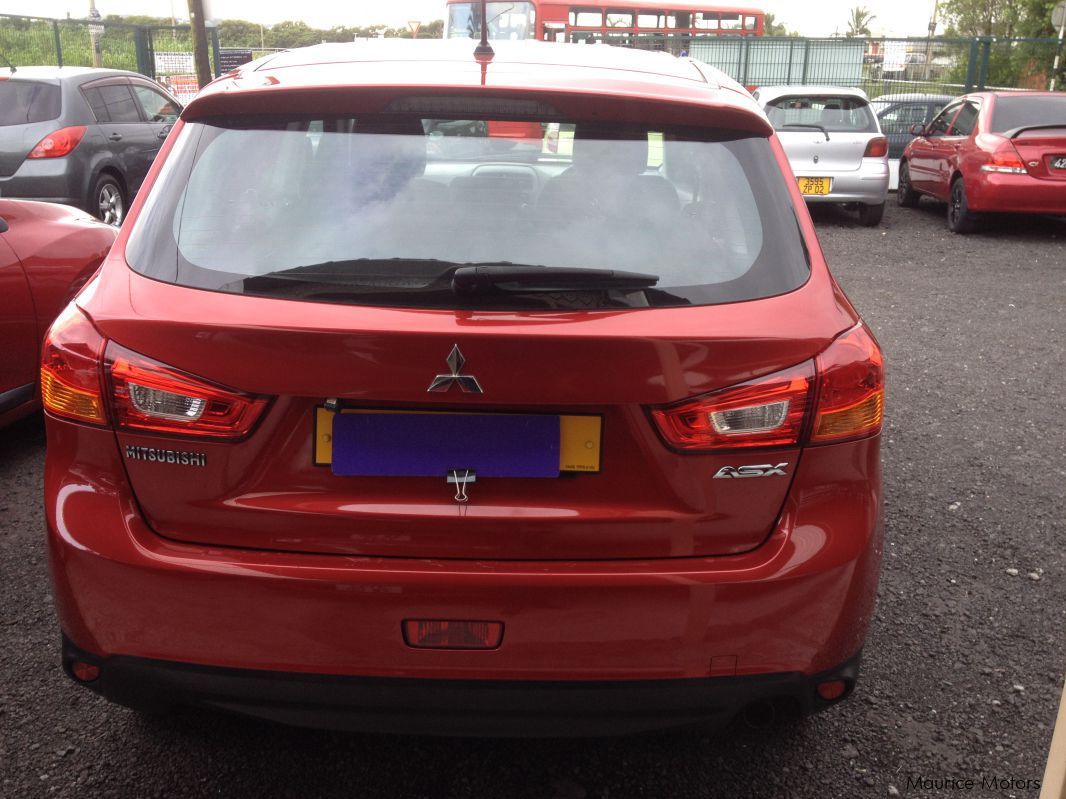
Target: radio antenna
484, 49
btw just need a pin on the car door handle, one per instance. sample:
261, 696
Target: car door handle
115, 137
163, 133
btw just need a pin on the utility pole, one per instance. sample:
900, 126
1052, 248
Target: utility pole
95, 32
199, 41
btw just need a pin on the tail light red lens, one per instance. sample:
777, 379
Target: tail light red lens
766, 412
440, 634
70, 369
150, 396
1001, 155
876, 148
851, 388
58, 144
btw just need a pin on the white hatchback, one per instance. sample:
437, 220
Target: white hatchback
834, 144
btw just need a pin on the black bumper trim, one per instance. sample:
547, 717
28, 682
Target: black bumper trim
452, 707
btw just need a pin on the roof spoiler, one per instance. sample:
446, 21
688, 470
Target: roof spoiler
1013, 133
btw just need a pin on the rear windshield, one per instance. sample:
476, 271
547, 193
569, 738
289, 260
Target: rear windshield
839, 114
25, 101
383, 210
1016, 112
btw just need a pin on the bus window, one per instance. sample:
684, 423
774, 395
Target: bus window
650, 20
586, 17
619, 19
706, 21
679, 19
749, 23
731, 22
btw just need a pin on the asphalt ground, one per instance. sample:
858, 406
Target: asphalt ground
963, 665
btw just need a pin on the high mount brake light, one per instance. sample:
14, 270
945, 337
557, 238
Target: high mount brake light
851, 388
59, 143
876, 148
847, 383
765, 412
70, 369
152, 397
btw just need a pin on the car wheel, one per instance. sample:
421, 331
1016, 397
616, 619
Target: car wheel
870, 215
960, 220
906, 196
107, 202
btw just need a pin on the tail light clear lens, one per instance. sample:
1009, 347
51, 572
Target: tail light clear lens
58, 144
70, 369
766, 412
876, 148
1002, 156
150, 396
851, 388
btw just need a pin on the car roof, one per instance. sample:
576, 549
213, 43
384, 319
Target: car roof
765, 94
915, 97
59, 74
525, 65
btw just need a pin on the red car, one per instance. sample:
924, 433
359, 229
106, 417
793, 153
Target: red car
366, 426
1001, 152
47, 253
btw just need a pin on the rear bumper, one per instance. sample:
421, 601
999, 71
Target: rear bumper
799, 604
1016, 194
54, 180
456, 707
867, 185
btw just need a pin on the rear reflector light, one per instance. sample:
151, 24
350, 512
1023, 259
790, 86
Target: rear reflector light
151, 396
70, 368
832, 689
876, 148
84, 672
766, 412
851, 388
58, 144
440, 634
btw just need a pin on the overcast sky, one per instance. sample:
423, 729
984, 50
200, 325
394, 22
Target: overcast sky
817, 18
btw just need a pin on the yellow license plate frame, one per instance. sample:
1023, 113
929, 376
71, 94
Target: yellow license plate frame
580, 438
815, 187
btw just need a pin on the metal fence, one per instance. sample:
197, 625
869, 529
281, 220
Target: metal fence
878, 66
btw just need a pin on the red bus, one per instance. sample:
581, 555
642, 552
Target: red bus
548, 20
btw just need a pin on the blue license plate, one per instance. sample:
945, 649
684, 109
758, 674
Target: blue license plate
434, 444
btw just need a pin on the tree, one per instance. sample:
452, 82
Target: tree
772, 27
859, 22
981, 17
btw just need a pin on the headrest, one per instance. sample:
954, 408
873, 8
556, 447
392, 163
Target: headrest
610, 148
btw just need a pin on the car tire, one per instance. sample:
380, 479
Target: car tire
107, 202
960, 219
906, 196
870, 215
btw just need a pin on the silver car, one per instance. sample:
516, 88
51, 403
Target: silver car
834, 144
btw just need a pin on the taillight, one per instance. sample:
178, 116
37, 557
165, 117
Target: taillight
441, 634
70, 369
876, 148
58, 144
766, 412
1002, 157
851, 389
150, 396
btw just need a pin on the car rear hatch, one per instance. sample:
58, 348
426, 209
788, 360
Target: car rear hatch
823, 133
1043, 149
28, 110
323, 297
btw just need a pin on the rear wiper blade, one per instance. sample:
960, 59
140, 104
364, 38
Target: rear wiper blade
514, 277
811, 126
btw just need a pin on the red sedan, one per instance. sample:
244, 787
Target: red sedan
1001, 152
47, 253
375, 422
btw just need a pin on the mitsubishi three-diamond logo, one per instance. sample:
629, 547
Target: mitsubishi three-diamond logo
467, 383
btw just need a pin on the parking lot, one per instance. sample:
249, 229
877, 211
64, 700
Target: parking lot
963, 667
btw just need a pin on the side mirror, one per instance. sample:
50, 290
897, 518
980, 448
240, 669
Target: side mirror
3, 225
917, 129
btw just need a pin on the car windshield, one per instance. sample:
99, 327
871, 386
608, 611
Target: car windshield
833, 113
382, 210
1016, 112
25, 101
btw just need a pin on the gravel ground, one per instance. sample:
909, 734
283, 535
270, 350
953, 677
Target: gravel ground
963, 665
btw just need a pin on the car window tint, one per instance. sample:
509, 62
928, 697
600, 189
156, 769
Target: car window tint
96, 103
965, 120
157, 107
119, 103
839, 114
1014, 112
707, 211
23, 101
900, 118
939, 126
